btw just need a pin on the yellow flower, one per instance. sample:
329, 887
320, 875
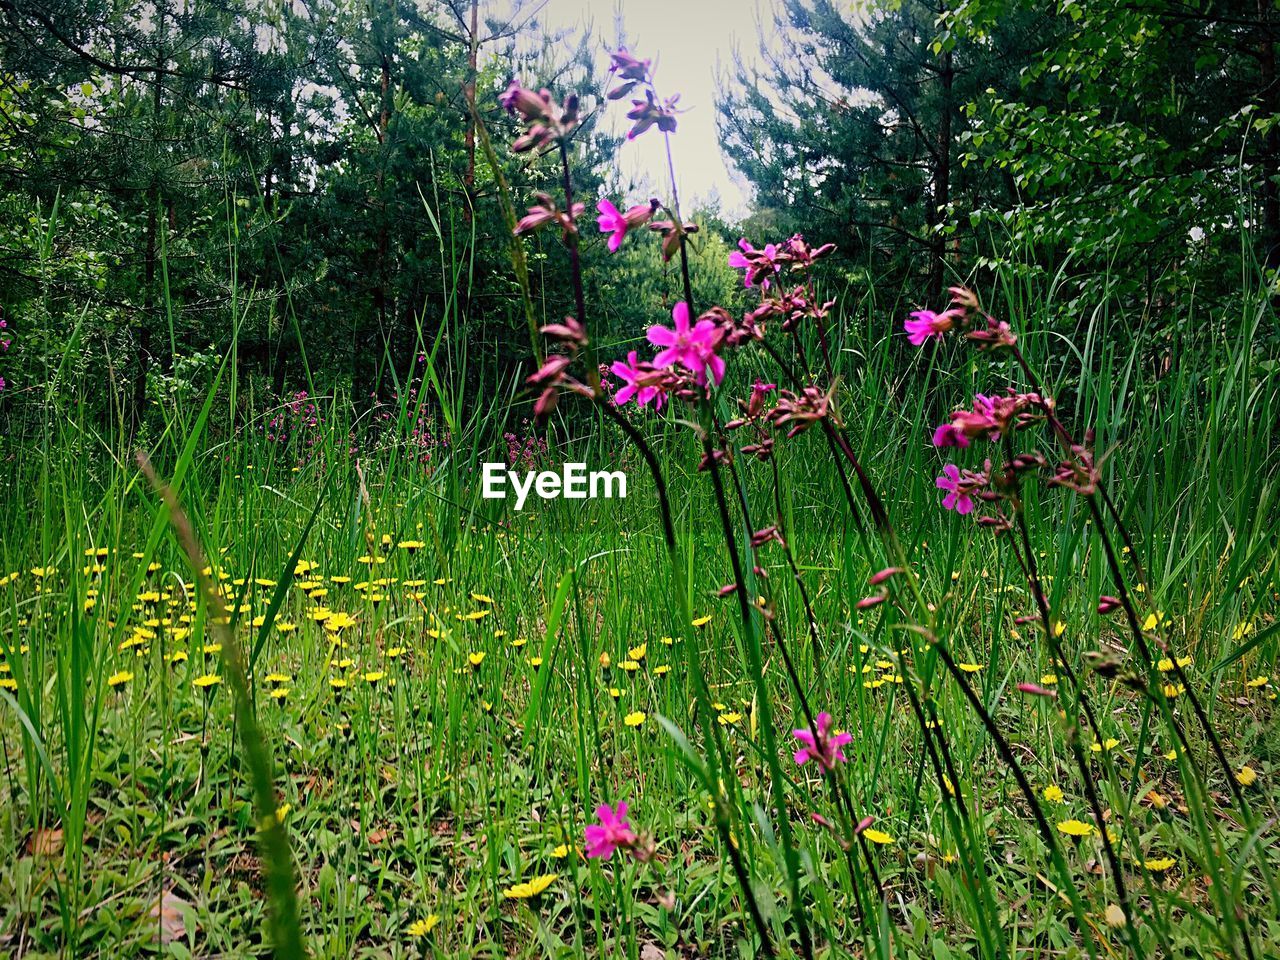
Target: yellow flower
605, 660
411, 545
1108, 745
207, 680
535, 662
532, 888
119, 677
637, 653
631, 666
282, 811
1075, 828
475, 659
702, 621
1048, 679
615, 692
1164, 664
1059, 628
337, 683
970, 667
877, 836
373, 676
1053, 793
1246, 776
662, 670
634, 719
8, 683
423, 927
1172, 690
1160, 864
728, 719
285, 627
278, 678
1257, 682
279, 693
481, 598
339, 621
393, 652
474, 615
666, 641
561, 851
1153, 620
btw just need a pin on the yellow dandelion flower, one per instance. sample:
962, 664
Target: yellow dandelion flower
877, 836
338, 683
1159, 864
631, 666
118, 678
702, 621
1053, 793
666, 641
1059, 628
1257, 681
280, 693
481, 598
475, 659
615, 692
373, 676
1048, 679
393, 652
278, 678
1107, 745
662, 670
531, 888
422, 928
411, 545
1075, 828
207, 680
729, 719
634, 719
637, 653
970, 667
1172, 690
8, 683
1246, 776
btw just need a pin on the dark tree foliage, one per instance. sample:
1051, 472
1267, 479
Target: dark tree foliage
1124, 142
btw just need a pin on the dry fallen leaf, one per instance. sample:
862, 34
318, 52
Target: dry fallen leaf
168, 910
46, 843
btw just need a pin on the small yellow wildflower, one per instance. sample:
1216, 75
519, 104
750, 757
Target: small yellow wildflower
702, 621
877, 836
207, 680
1247, 776
422, 928
634, 719
118, 678
1075, 828
1053, 793
531, 888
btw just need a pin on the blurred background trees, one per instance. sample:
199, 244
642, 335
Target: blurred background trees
302, 177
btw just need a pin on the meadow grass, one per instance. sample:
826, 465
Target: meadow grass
446, 688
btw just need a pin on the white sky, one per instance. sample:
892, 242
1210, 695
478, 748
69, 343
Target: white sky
689, 42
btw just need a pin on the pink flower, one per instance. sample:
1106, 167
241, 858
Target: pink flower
925, 324
759, 265
612, 832
956, 499
822, 746
617, 223
693, 347
641, 382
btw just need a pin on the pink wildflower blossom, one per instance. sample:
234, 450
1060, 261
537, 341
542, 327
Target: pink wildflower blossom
616, 223
821, 746
613, 831
641, 381
925, 324
692, 346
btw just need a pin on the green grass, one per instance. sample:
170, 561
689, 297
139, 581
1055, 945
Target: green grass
458, 755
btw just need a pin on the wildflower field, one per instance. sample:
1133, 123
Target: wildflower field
938, 617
